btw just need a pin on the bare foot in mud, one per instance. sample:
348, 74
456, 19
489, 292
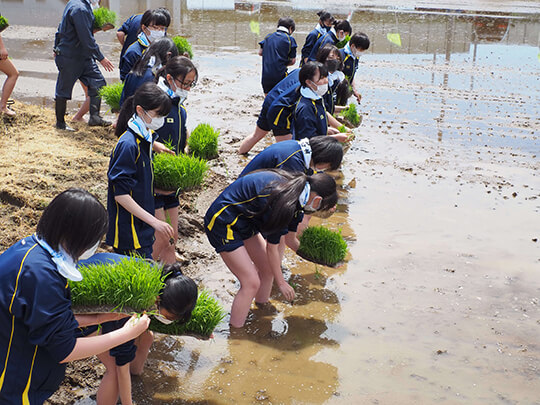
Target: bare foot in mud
8, 112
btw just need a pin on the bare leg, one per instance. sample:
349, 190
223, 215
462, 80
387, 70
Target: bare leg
256, 247
143, 342
12, 73
281, 138
251, 140
168, 253
240, 264
108, 388
161, 242
85, 107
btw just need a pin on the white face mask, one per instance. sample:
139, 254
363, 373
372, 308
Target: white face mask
155, 34
180, 93
94, 4
310, 208
90, 252
322, 89
64, 262
163, 320
341, 37
155, 123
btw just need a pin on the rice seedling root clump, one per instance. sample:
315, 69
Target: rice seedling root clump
321, 245
103, 17
183, 46
203, 142
350, 115
178, 173
111, 94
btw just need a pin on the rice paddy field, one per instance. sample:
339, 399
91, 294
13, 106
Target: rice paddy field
438, 298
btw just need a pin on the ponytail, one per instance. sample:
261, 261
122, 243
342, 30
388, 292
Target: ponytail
150, 97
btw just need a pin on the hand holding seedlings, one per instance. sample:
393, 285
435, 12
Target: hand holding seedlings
287, 291
158, 147
136, 325
164, 228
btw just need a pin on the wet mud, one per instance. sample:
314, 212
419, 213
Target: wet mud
438, 301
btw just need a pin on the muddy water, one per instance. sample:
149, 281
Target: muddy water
439, 301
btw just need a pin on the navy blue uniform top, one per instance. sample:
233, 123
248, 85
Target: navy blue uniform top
278, 49
283, 86
350, 64
131, 28
233, 208
309, 118
280, 112
286, 155
311, 39
132, 56
133, 82
174, 130
130, 172
37, 326
328, 38
75, 37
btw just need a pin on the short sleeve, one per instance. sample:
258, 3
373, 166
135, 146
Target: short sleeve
123, 168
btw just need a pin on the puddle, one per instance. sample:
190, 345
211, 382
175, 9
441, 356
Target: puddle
439, 301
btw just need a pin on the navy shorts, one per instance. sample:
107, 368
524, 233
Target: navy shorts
218, 235
144, 252
264, 124
124, 353
165, 201
71, 69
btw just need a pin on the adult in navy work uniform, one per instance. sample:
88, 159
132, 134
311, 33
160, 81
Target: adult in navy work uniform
263, 201
37, 325
325, 23
305, 156
176, 79
278, 50
337, 33
154, 24
75, 50
350, 54
130, 198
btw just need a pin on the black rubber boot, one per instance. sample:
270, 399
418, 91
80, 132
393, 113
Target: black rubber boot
95, 119
60, 109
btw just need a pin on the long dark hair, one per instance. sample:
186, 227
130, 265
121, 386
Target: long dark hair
150, 97
282, 203
179, 66
343, 92
179, 296
326, 149
161, 50
74, 219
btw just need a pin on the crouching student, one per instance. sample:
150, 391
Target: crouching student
37, 333
262, 202
305, 156
325, 23
176, 79
130, 198
350, 54
175, 303
336, 34
310, 117
278, 51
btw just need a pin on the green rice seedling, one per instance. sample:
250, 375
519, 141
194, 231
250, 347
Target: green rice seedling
178, 173
321, 245
208, 313
183, 46
111, 94
203, 141
341, 44
4, 23
351, 115
102, 17
129, 285
342, 128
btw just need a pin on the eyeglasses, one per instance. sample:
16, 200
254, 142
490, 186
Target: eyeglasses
186, 84
157, 27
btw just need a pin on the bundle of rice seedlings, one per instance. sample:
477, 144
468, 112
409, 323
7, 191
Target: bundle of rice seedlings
111, 94
322, 245
208, 313
350, 114
183, 46
103, 17
130, 285
341, 44
4, 23
342, 128
203, 141
178, 173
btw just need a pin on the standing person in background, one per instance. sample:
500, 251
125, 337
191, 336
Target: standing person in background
176, 79
325, 23
337, 33
37, 324
278, 50
350, 54
12, 74
75, 50
154, 24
